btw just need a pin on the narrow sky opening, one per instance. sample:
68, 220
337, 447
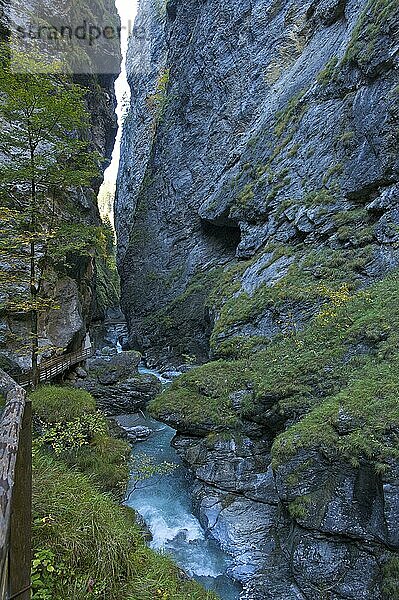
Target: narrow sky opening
127, 10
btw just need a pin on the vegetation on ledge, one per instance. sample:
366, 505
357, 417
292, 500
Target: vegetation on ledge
201, 397
343, 362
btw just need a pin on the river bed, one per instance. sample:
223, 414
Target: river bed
164, 502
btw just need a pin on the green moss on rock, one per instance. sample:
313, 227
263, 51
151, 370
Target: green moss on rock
344, 361
201, 397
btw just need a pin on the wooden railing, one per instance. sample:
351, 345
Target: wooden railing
15, 492
56, 366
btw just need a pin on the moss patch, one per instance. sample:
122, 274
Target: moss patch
301, 284
55, 404
210, 384
378, 17
390, 579
346, 357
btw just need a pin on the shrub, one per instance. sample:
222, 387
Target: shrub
79, 435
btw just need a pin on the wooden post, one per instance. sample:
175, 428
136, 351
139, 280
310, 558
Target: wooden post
20, 556
15, 491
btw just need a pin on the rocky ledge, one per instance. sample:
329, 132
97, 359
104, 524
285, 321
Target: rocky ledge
116, 384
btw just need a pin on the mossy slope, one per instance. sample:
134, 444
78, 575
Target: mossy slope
345, 358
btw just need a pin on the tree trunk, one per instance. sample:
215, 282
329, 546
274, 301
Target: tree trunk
35, 344
34, 330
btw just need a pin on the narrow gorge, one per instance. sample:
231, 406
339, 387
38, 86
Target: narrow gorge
257, 221
227, 425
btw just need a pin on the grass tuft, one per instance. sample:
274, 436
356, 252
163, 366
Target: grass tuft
56, 404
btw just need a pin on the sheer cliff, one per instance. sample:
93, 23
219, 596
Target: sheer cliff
71, 289
257, 215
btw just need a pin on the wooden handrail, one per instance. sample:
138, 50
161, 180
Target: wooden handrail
56, 366
15, 491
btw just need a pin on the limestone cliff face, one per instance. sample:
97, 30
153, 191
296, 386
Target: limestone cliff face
257, 214
74, 289
251, 123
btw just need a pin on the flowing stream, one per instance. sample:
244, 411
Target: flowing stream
164, 502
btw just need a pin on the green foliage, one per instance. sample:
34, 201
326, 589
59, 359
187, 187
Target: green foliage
45, 570
254, 177
246, 195
291, 114
159, 100
107, 283
107, 277
210, 386
335, 169
241, 346
44, 113
390, 579
370, 401
70, 239
45, 122
54, 404
84, 543
301, 283
299, 507
72, 435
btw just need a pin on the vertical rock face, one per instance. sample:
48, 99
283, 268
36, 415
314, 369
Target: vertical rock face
73, 290
251, 123
257, 214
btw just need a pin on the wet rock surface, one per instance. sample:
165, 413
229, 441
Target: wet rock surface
137, 434
343, 525
267, 136
115, 383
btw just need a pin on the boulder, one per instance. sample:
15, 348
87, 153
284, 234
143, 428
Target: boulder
138, 433
116, 384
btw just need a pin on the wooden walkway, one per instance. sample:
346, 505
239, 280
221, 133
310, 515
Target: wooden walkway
16, 475
56, 366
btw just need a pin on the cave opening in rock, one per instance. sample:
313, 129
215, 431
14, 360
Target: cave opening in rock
226, 235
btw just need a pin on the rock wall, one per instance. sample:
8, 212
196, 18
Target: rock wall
74, 289
250, 124
257, 214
